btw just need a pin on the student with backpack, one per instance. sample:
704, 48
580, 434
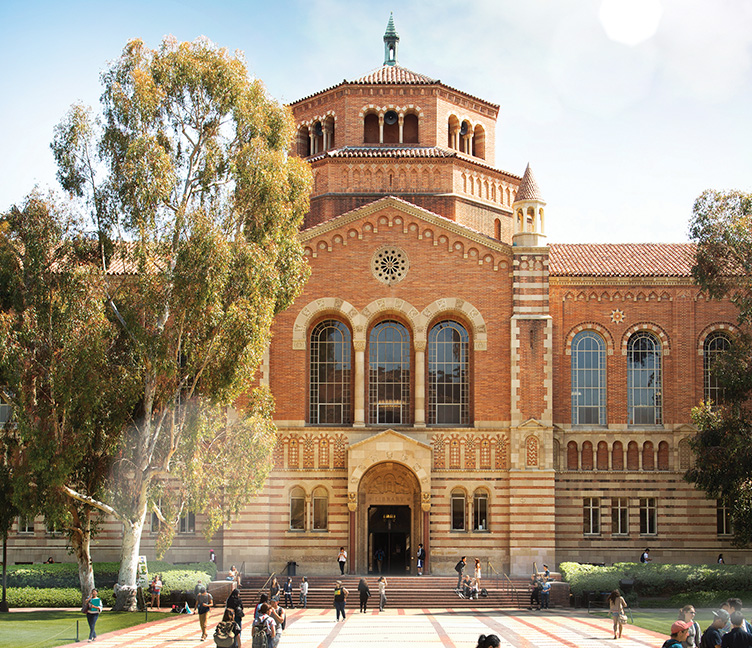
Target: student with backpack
264, 628
226, 631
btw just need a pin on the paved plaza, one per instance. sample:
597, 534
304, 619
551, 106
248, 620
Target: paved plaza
428, 628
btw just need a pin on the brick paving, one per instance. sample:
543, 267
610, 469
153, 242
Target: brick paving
396, 628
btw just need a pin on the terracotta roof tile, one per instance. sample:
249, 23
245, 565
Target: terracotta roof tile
529, 189
395, 74
622, 260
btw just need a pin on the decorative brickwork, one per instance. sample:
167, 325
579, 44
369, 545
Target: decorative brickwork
324, 452
470, 452
531, 452
485, 453
439, 453
454, 453
308, 454
502, 453
293, 453
340, 451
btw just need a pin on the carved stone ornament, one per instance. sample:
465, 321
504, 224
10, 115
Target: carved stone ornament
389, 264
425, 501
352, 501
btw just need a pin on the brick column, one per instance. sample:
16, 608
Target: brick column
420, 383
359, 418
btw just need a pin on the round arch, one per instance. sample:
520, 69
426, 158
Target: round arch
315, 309
446, 306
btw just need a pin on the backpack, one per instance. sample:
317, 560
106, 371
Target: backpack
260, 638
484, 592
223, 635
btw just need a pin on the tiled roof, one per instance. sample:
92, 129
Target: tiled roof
622, 260
529, 189
387, 152
395, 74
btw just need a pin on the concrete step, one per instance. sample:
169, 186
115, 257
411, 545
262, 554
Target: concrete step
402, 592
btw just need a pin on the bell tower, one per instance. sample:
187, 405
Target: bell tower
391, 40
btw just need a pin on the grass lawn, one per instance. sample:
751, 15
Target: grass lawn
660, 619
45, 629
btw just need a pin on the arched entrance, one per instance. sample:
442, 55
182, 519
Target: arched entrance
389, 522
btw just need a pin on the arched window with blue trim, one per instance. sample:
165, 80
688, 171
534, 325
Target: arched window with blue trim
330, 393
448, 375
588, 379
389, 374
644, 380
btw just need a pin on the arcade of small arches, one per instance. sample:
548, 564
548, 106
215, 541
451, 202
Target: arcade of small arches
529, 220
466, 137
488, 189
316, 135
391, 125
645, 458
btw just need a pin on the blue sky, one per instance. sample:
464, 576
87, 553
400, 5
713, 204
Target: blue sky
626, 109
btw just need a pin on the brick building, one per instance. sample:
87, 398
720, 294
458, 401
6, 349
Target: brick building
450, 378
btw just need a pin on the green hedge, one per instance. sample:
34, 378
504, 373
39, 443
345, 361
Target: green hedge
105, 574
660, 580
49, 597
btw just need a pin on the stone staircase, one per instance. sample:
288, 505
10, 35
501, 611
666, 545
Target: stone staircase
402, 592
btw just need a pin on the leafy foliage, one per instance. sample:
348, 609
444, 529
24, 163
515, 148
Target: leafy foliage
196, 207
722, 228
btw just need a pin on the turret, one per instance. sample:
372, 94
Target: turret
529, 226
391, 39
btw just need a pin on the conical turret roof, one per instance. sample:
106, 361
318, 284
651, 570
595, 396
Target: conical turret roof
391, 31
529, 189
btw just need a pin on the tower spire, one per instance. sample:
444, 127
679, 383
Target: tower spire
529, 225
391, 39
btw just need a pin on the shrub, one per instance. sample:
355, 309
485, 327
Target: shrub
52, 597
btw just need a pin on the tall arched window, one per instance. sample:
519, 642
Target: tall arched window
389, 374
297, 509
480, 511
644, 390
330, 373
458, 504
320, 509
588, 379
715, 344
448, 375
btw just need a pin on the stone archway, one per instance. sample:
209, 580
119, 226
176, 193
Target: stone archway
389, 518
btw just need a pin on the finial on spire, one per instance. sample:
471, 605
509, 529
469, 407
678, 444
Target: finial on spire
391, 38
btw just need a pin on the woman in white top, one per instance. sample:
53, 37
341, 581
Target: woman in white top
617, 605
342, 559
477, 572
382, 593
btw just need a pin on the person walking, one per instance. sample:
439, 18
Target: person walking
382, 593
204, 604
616, 606
93, 607
236, 605
340, 598
342, 559
380, 555
288, 594
304, 592
365, 594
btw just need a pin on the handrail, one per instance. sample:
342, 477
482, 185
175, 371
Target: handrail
508, 582
263, 587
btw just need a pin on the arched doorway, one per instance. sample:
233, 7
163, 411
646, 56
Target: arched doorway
389, 520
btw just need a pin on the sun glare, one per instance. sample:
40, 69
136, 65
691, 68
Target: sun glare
630, 22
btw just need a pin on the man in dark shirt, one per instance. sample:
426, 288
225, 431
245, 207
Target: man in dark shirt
711, 638
737, 638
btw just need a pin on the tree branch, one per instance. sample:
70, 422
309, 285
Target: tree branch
86, 499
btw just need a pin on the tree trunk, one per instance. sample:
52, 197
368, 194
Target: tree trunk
4, 602
81, 541
128, 575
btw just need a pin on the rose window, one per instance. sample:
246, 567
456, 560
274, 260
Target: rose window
389, 265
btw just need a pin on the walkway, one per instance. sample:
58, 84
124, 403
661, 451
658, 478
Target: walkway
429, 628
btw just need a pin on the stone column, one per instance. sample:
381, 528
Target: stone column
359, 419
312, 137
381, 129
352, 506
420, 383
401, 128
426, 507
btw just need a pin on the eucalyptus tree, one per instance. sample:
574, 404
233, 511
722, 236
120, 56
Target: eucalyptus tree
196, 206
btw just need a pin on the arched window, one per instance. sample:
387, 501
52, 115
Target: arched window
617, 456
648, 456
644, 389
663, 456
588, 379
479, 142
330, 374
587, 456
304, 142
320, 509
497, 229
448, 375
572, 456
371, 129
453, 129
458, 505
410, 129
480, 511
633, 456
297, 509
389, 374
602, 456
715, 344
